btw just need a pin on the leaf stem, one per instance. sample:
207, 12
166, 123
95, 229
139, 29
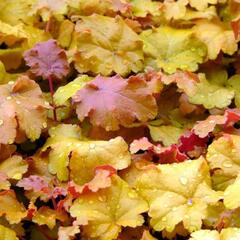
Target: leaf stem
50, 82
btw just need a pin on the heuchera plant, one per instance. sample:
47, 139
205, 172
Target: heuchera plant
119, 119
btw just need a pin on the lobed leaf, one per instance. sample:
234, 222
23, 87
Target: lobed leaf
121, 102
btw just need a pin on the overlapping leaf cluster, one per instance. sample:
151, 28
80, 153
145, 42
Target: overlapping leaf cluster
119, 119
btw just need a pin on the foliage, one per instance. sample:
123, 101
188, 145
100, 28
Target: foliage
119, 119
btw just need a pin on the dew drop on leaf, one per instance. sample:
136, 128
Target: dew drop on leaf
183, 180
92, 146
164, 219
227, 164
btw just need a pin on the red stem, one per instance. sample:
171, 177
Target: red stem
50, 82
54, 203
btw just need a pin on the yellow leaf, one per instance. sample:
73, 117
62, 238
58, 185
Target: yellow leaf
11, 208
216, 36
14, 167
85, 155
176, 193
173, 49
114, 48
105, 212
7, 233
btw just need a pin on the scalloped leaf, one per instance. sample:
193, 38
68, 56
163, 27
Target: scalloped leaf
11, 208
14, 167
122, 102
223, 155
211, 94
71, 152
216, 37
226, 234
104, 213
48, 60
116, 48
176, 193
18, 114
173, 49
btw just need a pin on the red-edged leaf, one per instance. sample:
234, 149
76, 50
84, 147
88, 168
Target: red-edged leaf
170, 154
189, 141
203, 128
47, 59
114, 101
186, 81
23, 110
236, 28
164, 155
140, 144
102, 179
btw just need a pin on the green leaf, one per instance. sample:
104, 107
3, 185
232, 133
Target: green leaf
211, 94
67, 91
173, 49
166, 134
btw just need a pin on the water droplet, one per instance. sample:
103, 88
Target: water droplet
101, 199
226, 193
92, 146
189, 202
18, 102
227, 164
234, 150
164, 219
44, 124
1, 122
9, 98
183, 180
131, 195
46, 103
108, 128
